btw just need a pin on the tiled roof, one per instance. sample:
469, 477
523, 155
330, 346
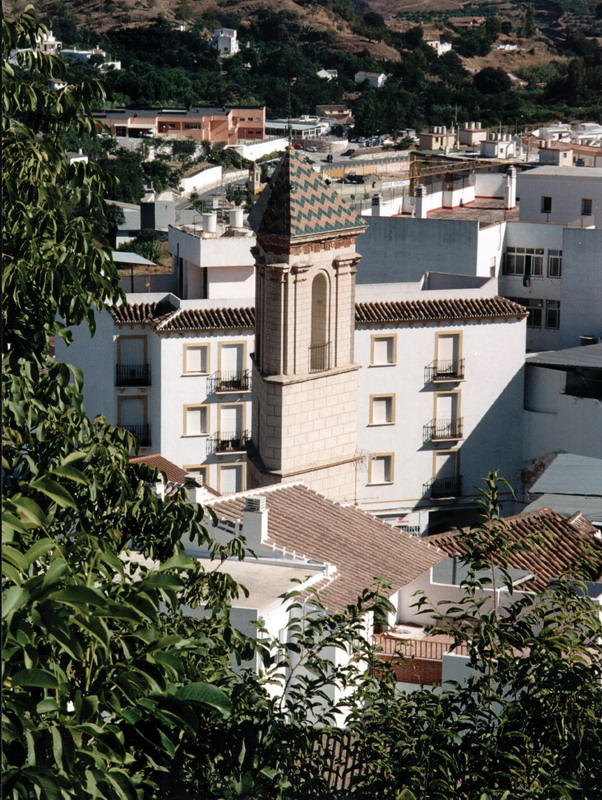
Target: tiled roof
359, 545
191, 319
445, 308
135, 312
556, 546
207, 319
172, 472
297, 202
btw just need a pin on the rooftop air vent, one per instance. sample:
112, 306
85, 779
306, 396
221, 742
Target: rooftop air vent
255, 504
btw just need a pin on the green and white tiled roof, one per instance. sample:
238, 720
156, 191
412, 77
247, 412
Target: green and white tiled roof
297, 202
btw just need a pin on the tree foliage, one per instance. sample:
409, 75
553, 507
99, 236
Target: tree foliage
111, 689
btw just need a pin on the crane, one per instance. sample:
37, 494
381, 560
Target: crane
425, 168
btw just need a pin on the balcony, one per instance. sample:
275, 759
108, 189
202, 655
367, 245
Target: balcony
228, 442
443, 487
226, 382
441, 430
444, 371
141, 432
319, 357
132, 375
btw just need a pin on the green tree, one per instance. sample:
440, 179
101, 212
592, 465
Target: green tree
526, 722
109, 689
529, 21
146, 244
413, 37
492, 81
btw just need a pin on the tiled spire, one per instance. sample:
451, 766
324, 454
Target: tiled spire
297, 202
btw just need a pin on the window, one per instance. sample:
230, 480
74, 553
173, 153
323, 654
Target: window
380, 468
535, 307
552, 313
199, 471
382, 409
196, 359
527, 261
231, 478
586, 207
554, 263
196, 420
546, 205
383, 350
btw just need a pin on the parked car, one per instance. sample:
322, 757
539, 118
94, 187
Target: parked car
311, 148
349, 153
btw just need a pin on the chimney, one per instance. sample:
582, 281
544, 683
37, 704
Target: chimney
255, 521
194, 492
510, 193
421, 202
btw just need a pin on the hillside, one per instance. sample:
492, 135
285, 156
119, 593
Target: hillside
341, 25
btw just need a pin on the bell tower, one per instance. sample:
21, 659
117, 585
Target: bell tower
304, 375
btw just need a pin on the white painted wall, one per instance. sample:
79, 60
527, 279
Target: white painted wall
490, 184
96, 357
490, 247
491, 398
202, 180
556, 422
402, 249
255, 150
581, 292
567, 186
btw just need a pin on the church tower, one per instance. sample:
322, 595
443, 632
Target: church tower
304, 376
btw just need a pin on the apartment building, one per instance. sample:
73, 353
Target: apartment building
227, 125
394, 398
545, 247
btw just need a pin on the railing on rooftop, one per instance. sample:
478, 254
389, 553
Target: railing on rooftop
391, 646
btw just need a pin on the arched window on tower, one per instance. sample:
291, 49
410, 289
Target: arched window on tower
319, 351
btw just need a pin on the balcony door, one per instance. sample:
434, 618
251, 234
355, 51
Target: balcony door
132, 411
231, 419
232, 359
446, 476
132, 350
448, 351
446, 407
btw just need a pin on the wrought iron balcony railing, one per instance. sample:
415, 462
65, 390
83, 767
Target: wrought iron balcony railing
319, 357
237, 381
132, 375
141, 432
228, 442
443, 487
442, 371
443, 429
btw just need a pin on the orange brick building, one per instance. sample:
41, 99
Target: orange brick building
226, 125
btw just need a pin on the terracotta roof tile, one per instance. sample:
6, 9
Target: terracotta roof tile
361, 547
441, 309
207, 319
172, 472
557, 546
191, 319
297, 202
